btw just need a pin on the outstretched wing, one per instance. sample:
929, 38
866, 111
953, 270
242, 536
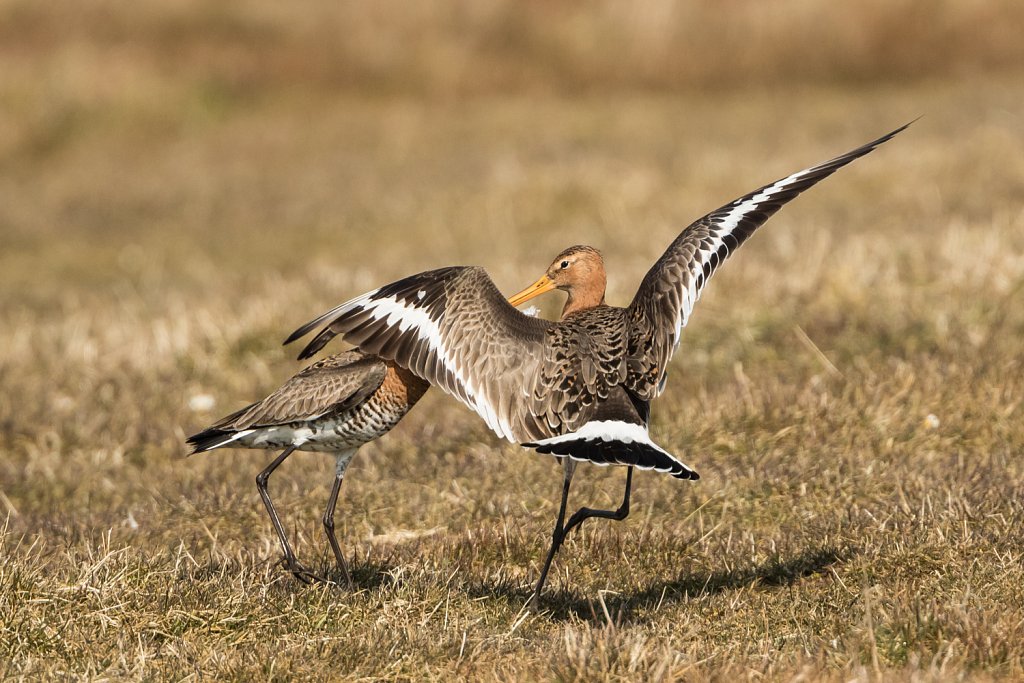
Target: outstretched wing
453, 328
670, 289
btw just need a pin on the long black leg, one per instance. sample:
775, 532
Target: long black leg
618, 515
332, 503
558, 535
578, 518
292, 564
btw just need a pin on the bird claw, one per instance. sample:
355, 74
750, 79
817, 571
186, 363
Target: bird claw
301, 573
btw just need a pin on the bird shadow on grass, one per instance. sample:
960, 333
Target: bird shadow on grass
621, 608
371, 574
367, 573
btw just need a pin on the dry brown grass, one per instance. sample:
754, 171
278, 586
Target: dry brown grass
247, 48
160, 236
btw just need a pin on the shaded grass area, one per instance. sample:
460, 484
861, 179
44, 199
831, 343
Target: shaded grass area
850, 389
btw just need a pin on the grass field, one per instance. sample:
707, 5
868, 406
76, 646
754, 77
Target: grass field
850, 387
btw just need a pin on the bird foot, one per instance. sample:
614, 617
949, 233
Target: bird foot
301, 573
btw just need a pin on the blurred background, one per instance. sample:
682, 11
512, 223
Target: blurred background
176, 133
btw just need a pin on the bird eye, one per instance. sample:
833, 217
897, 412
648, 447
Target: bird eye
565, 264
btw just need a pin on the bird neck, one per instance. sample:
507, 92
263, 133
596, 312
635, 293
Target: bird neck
582, 298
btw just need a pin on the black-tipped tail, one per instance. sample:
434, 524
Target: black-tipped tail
211, 438
614, 443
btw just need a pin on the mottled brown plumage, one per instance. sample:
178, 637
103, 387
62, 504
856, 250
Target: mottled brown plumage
338, 403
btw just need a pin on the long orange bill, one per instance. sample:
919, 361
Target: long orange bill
544, 284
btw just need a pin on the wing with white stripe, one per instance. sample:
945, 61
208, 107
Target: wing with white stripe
670, 289
453, 328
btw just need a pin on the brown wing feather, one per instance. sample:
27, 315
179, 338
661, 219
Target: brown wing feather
672, 286
333, 384
453, 328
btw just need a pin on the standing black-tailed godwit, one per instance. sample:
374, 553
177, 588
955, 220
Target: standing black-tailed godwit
335, 405
578, 388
